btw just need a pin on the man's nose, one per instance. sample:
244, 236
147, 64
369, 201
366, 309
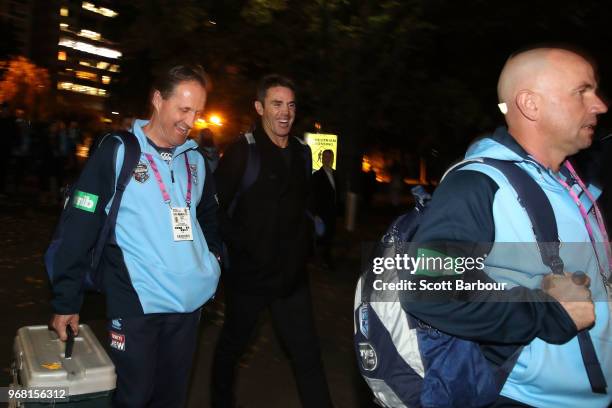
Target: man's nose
599, 106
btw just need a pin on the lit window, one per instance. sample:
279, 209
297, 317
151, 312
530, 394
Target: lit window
86, 75
102, 65
84, 89
63, 26
61, 55
100, 10
114, 68
64, 12
89, 48
85, 63
105, 79
92, 35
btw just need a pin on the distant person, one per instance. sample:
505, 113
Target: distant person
369, 187
326, 198
22, 149
396, 185
206, 140
269, 236
8, 133
162, 263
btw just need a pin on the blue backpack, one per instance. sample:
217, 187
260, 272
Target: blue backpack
92, 279
408, 363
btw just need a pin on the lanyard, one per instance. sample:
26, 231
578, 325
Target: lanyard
160, 182
585, 216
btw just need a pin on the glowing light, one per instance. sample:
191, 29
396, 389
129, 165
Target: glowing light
63, 26
82, 150
105, 79
89, 48
86, 75
64, 12
84, 89
114, 113
215, 120
92, 35
102, 65
200, 124
61, 55
106, 12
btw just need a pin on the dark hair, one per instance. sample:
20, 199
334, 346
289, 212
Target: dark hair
270, 81
168, 80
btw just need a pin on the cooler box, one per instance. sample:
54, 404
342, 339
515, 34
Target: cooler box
39, 363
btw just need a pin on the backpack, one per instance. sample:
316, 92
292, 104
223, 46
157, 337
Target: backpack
92, 279
405, 361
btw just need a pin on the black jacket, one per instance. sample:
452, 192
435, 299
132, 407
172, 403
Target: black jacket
269, 234
325, 194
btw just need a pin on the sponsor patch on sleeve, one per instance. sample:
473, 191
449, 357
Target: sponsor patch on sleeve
85, 201
117, 341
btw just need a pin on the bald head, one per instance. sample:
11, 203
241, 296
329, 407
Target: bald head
526, 70
551, 101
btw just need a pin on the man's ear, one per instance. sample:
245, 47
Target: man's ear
528, 103
259, 108
158, 100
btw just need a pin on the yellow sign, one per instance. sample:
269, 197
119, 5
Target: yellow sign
318, 143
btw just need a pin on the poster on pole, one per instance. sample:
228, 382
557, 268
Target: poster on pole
318, 143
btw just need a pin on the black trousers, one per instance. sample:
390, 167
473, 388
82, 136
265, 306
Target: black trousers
294, 324
152, 356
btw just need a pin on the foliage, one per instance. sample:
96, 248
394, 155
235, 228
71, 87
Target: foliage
25, 85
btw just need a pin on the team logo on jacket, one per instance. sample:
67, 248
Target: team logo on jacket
116, 323
193, 169
141, 172
364, 320
117, 341
369, 359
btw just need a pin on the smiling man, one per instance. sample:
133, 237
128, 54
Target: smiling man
159, 266
265, 225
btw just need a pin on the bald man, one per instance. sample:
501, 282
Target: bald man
551, 107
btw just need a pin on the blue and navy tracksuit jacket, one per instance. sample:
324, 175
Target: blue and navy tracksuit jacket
477, 204
145, 271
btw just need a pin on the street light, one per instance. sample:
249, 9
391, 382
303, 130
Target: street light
215, 120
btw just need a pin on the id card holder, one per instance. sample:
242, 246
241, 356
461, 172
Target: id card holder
181, 224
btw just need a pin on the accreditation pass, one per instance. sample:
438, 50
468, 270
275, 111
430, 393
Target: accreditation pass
181, 224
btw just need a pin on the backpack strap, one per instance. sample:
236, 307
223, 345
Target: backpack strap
537, 205
250, 174
130, 160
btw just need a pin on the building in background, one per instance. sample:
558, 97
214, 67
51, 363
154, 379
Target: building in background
72, 40
17, 16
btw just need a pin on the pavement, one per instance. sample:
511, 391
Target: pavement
265, 378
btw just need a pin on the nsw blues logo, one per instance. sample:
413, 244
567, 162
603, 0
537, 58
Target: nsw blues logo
141, 172
364, 324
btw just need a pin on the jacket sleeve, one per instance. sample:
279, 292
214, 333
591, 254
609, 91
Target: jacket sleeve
207, 212
81, 221
461, 212
228, 177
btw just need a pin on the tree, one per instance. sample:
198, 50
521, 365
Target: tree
25, 85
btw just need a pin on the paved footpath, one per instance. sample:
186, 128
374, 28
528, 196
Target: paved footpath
265, 377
